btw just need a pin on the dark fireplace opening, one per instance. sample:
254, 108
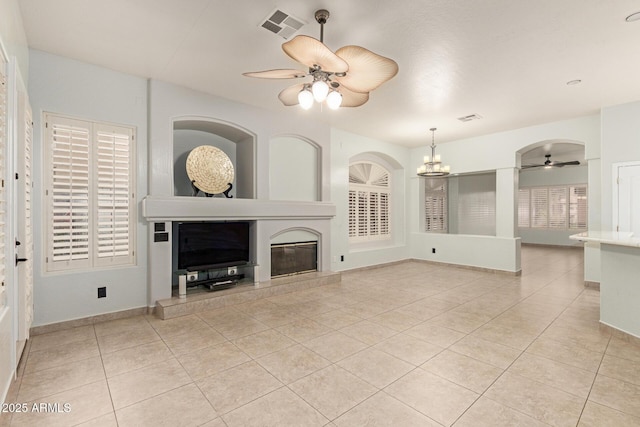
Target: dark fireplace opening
293, 258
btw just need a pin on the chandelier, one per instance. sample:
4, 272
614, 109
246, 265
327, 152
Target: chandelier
433, 167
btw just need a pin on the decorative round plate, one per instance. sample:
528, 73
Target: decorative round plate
210, 169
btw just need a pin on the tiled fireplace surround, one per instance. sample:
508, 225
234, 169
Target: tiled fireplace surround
269, 218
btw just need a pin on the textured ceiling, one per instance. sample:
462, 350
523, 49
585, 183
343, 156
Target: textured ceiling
506, 60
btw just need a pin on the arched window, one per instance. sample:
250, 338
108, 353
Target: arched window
369, 202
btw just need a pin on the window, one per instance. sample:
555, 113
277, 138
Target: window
557, 207
89, 194
369, 202
435, 206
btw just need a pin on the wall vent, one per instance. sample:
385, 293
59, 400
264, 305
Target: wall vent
470, 117
282, 24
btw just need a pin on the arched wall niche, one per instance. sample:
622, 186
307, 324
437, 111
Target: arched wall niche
295, 168
235, 141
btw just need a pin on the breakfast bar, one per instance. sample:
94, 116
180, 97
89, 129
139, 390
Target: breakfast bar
620, 278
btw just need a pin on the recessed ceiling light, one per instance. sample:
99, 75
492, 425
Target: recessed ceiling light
633, 17
574, 82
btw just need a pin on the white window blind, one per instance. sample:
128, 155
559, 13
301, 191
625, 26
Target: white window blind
369, 202
578, 206
539, 208
558, 207
3, 205
524, 208
555, 207
435, 206
90, 210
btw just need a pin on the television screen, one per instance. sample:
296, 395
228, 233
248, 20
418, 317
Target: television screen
203, 245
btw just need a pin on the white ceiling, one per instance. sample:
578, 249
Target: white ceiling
506, 60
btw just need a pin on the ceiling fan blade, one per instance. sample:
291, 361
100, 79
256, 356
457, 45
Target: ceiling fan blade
312, 52
531, 166
560, 164
276, 74
351, 98
367, 70
289, 96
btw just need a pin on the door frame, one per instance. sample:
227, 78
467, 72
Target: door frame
615, 199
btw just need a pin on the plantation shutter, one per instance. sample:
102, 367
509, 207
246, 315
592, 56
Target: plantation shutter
385, 228
578, 207
539, 208
90, 206
363, 225
3, 204
435, 206
369, 202
68, 193
353, 223
558, 207
524, 209
113, 190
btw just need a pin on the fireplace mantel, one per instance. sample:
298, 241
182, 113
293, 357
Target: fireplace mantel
182, 208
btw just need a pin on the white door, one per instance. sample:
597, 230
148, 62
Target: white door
24, 238
627, 208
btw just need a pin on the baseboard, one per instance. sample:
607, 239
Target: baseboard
578, 245
592, 285
618, 333
470, 267
60, 326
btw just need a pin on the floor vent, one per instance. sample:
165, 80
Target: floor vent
282, 24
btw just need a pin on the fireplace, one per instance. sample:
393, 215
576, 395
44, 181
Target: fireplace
293, 258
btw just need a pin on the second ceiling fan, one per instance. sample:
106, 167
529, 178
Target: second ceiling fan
548, 163
343, 78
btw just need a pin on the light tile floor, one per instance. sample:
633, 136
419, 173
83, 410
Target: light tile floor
413, 344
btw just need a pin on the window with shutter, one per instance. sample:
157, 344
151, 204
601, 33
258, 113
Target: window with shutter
539, 208
90, 211
435, 206
556, 207
3, 206
524, 208
369, 202
578, 207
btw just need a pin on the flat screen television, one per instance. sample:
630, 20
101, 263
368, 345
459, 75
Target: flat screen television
205, 245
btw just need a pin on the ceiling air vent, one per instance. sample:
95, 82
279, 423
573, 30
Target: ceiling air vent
470, 117
282, 24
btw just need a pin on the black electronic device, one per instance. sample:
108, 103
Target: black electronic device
209, 245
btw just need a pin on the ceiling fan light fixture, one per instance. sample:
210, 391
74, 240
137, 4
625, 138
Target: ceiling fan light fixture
334, 100
305, 99
320, 90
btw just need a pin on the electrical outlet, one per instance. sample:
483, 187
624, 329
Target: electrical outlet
341, 258
433, 250
102, 292
232, 271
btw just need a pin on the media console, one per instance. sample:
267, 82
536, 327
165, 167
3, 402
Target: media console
214, 279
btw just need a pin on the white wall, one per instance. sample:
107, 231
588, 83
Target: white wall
85, 91
345, 148
620, 143
293, 169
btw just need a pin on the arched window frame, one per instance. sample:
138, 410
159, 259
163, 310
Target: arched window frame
369, 202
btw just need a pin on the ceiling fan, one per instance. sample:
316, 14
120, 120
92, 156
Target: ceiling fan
343, 78
551, 164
